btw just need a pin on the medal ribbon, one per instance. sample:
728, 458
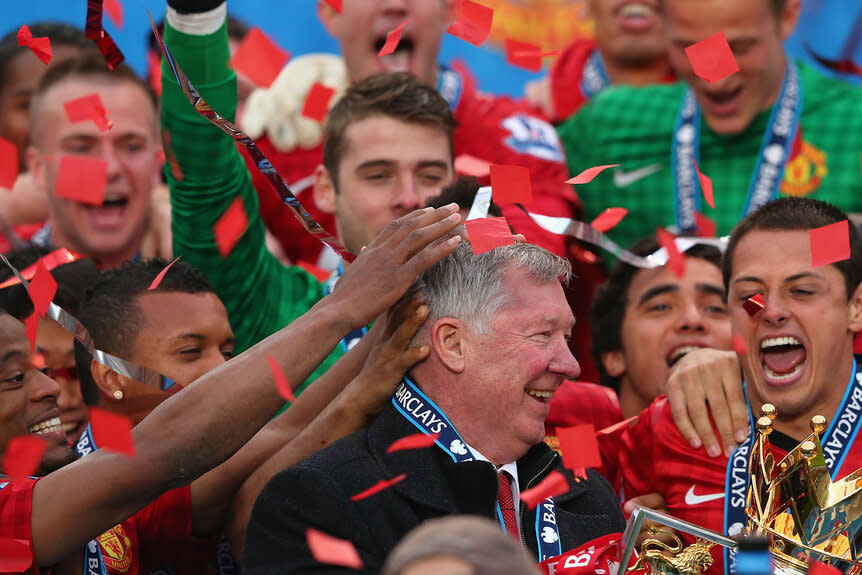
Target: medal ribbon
94, 564
768, 173
594, 77
424, 414
839, 436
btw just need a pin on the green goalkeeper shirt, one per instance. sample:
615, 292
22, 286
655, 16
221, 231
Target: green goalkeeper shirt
261, 295
634, 127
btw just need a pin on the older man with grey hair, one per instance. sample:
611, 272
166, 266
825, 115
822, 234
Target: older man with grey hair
498, 328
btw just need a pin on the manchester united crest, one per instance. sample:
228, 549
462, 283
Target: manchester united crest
116, 548
805, 172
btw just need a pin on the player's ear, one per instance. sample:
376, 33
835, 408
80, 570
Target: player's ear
614, 362
324, 190
854, 310
108, 381
328, 17
449, 344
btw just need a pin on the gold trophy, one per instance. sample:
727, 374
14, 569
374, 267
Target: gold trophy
796, 505
804, 514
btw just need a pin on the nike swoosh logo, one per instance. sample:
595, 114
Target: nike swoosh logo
624, 179
692, 499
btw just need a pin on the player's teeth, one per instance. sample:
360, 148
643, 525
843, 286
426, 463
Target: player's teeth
48, 426
635, 10
541, 394
779, 341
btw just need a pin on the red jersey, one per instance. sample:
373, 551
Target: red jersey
153, 537
496, 129
654, 458
16, 510
565, 77
578, 403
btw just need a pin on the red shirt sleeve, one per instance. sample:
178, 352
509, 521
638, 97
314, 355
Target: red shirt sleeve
16, 510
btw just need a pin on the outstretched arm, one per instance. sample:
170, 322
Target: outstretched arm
213, 417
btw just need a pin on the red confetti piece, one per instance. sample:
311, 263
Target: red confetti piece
15, 556
115, 12
754, 305
608, 219
281, 382
587, 175
112, 432
705, 186
415, 441
675, 260
738, 345
392, 40
378, 487
705, 226
230, 227
554, 484
318, 273
41, 47
316, 104
332, 550
110, 51
523, 54
162, 274
259, 58
335, 4
474, 24
31, 328
42, 289
93, 28
816, 567
8, 164
830, 244
22, 456
579, 446
58, 257
612, 429
472, 166
582, 254
712, 59
511, 184
37, 360
488, 233
88, 108
82, 179
796, 148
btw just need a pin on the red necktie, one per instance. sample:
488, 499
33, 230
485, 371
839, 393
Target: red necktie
507, 506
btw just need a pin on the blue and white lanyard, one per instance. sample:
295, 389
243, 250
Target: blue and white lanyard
594, 77
419, 410
353, 337
775, 149
94, 563
836, 442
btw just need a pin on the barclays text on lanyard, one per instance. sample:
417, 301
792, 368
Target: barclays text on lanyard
429, 419
836, 441
594, 76
94, 564
355, 335
774, 150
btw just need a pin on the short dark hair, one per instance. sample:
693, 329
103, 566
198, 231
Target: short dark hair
112, 314
611, 298
88, 64
462, 192
59, 34
392, 94
73, 281
799, 214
